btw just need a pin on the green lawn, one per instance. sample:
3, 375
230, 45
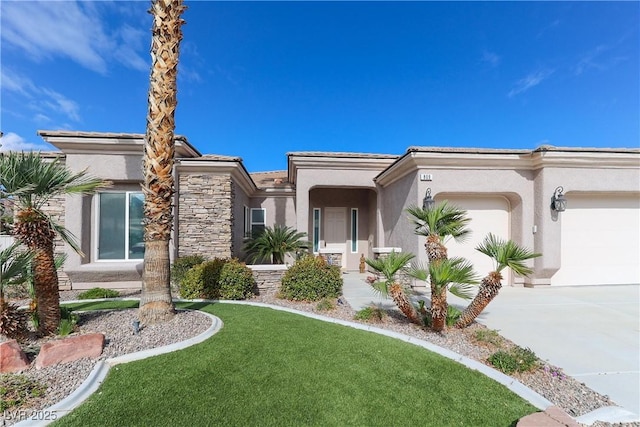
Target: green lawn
272, 368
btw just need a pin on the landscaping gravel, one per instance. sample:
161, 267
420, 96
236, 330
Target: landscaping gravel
567, 393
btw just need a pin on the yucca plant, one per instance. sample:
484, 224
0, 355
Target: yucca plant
389, 267
505, 253
273, 244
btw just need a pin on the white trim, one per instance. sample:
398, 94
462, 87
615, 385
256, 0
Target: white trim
354, 236
313, 229
264, 219
96, 241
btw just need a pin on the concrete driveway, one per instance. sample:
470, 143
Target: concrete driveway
591, 332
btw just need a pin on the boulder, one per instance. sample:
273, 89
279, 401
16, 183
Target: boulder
12, 358
70, 349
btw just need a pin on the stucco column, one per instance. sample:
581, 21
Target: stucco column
547, 236
302, 209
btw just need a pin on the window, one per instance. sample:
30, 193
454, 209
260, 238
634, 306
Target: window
258, 221
247, 222
354, 230
316, 229
120, 228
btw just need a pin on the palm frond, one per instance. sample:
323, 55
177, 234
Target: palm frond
389, 265
418, 270
453, 271
507, 253
13, 264
444, 220
274, 243
381, 287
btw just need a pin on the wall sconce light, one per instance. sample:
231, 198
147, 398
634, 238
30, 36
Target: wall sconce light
558, 202
428, 202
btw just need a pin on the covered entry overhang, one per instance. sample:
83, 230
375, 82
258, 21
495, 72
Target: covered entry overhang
336, 202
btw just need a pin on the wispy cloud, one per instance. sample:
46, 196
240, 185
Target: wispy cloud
530, 81
69, 29
14, 142
491, 58
597, 59
44, 101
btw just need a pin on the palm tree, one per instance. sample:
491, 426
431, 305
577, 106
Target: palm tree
274, 243
31, 182
155, 301
13, 266
438, 224
455, 275
389, 267
504, 254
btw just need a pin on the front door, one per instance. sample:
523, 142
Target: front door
335, 230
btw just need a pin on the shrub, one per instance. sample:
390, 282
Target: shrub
180, 267
488, 336
517, 359
311, 279
371, 313
18, 390
68, 321
325, 304
202, 280
236, 280
95, 293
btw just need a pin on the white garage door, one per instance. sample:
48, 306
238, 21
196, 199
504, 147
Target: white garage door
600, 240
488, 214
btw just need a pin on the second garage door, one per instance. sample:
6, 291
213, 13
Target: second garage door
600, 240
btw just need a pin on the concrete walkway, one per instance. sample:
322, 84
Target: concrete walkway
591, 332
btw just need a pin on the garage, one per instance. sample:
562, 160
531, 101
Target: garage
600, 240
489, 214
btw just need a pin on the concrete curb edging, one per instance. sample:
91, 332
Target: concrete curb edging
91, 384
612, 414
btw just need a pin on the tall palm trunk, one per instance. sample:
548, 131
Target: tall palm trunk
155, 302
489, 289
35, 232
403, 303
437, 251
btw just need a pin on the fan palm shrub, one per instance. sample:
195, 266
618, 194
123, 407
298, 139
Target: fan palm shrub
505, 253
438, 224
31, 182
273, 244
389, 267
13, 263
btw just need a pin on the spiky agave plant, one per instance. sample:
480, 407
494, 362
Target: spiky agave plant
505, 253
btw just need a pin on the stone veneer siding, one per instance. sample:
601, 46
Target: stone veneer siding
55, 209
205, 215
268, 278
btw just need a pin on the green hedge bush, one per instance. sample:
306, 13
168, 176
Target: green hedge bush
236, 280
95, 293
180, 267
219, 278
311, 279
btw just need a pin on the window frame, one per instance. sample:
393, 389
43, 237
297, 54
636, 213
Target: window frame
354, 230
316, 223
96, 240
264, 219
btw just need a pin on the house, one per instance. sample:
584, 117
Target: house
354, 204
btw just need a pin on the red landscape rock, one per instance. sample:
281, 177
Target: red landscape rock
12, 358
70, 349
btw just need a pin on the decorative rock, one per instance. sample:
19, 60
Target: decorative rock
12, 358
70, 349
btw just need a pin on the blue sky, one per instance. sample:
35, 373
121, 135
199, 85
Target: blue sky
258, 80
